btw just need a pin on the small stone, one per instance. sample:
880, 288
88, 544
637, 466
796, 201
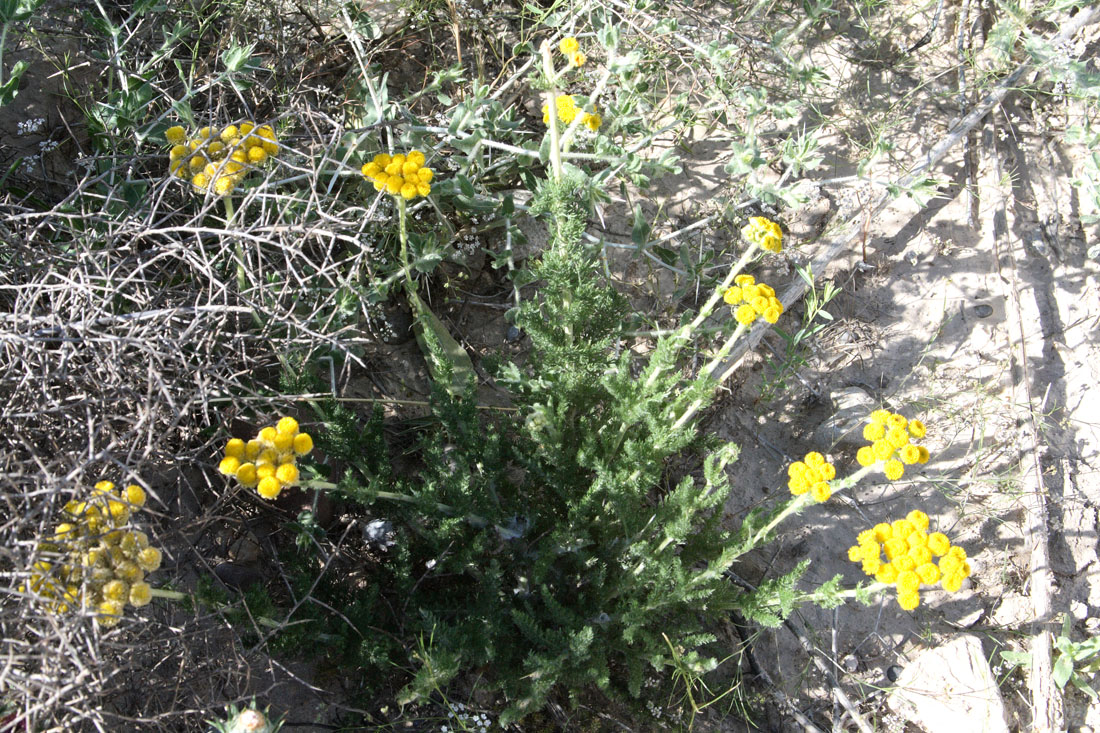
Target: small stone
969, 619
851, 407
850, 663
893, 672
1079, 610
246, 550
950, 687
513, 334
236, 576
379, 534
983, 310
1013, 611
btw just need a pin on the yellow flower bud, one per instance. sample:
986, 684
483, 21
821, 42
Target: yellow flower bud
149, 559
246, 474
303, 443
908, 600
229, 466
223, 185
287, 473
269, 487
110, 613
140, 594
175, 135
116, 590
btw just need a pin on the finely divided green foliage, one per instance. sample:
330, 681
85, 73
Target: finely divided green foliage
543, 549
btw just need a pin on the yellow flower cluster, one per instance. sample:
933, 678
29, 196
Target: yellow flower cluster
268, 462
909, 551
890, 435
812, 474
568, 111
756, 299
217, 160
95, 560
400, 175
764, 233
571, 49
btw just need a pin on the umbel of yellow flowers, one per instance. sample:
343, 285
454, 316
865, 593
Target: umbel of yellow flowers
811, 475
268, 462
217, 160
910, 557
890, 435
751, 300
571, 49
568, 110
94, 560
400, 175
764, 233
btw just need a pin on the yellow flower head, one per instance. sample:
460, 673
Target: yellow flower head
882, 449
952, 583
569, 46
918, 519
865, 456
895, 420
270, 462
399, 175
897, 438
732, 296
764, 233
214, 160
821, 491
140, 594
909, 454
592, 121
908, 600
938, 543
745, 315
880, 416
873, 431
149, 559
175, 135
269, 487
894, 469
928, 573
577, 58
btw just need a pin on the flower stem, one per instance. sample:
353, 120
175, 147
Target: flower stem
552, 112
175, 595
403, 236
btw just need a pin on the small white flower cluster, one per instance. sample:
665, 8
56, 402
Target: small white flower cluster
466, 9
467, 720
47, 146
31, 126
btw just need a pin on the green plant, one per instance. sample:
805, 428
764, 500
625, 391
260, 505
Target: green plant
793, 357
13, 11
1075, 663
